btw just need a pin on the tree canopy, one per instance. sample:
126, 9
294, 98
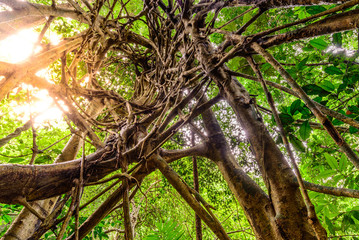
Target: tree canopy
179, 119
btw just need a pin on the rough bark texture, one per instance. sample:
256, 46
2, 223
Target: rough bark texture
26, 223
142, 91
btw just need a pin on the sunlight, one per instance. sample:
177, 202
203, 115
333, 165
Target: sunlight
46, 74
53, 38
42, 105
85, 82
18, 47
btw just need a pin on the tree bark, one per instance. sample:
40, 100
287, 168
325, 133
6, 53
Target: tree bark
289, 209
255, 203
26, 223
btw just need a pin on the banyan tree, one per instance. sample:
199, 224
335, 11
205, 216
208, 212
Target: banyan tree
185, 102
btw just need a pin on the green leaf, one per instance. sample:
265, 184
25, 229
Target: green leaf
302, 13
319, 208
304, 130
353, 130
297, 144
265, 66
248, 16
337, 122
347, 222
152, 237
16, 160
331, 161
355, 214
353, 79
308, 48
341, 88
286, 118
6, 218
301, 64
43, 159
319, 43
330, 225
343, 162
333, 209
332, 70
168, 230
315, 9
306, 113
354, 109
312, 89
325, 174
338, 39
217, 38
338, 178
295, 106
328, 86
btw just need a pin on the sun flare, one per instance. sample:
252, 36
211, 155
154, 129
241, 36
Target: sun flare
41, 106
18, 48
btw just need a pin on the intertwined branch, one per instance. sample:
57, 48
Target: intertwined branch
141, 90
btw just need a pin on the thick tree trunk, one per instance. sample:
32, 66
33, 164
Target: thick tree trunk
280, 214
254, 201
289, 208
26, 223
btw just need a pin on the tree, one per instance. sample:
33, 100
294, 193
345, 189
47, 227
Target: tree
134, 76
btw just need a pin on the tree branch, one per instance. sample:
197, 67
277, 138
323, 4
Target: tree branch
340, 192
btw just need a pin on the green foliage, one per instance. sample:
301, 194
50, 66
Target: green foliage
319, 43
313, 89
305, 130
7, 215
169, 230
332, 70
334, 85
312, 10
331, 161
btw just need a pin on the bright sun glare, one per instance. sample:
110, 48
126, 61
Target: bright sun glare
15, 49
42, 106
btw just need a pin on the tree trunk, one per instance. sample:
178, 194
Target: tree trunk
26, 223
